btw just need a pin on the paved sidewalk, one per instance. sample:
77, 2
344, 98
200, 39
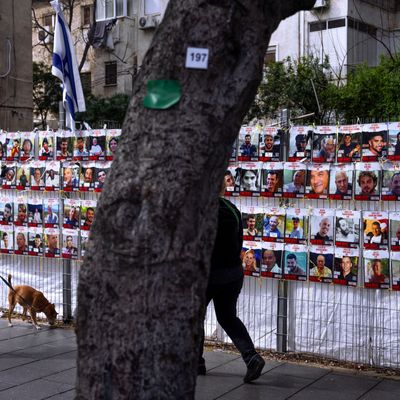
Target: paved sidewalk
37, 365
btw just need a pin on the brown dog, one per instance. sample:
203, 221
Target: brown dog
32, 299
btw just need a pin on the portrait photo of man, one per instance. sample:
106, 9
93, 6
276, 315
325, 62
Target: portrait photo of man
345, 269
376, 271
321, 266
321, 229
292, 266
271, 226
248, 149
375, 232
52, 248
270, 145
374, 145
349, 147
367, 183
342, 185
250, 223
391, 185
318, 181
346, 230
272, 181
294, 181
325, 150
270, 262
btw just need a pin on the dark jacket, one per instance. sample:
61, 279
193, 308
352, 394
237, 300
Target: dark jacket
226, 264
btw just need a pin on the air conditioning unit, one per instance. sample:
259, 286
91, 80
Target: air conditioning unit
321, 3
149, 21
44, 36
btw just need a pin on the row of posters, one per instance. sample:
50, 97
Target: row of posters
372, 230
377, 269
61, 145
74, 214
68, 176
40, 241
347, 143
361, 181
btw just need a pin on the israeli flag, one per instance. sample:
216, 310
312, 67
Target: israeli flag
65, 68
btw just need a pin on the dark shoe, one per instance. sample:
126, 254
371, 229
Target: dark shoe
254, 368
201, 369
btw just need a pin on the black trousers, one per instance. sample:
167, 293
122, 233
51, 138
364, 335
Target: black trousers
225, 299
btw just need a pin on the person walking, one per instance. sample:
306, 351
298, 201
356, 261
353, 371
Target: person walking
224, 286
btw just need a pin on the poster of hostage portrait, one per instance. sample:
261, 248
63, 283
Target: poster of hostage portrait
232, 180
86, 181
347, 228
272, 179
349, 143
102, 169
51, 209
324, 144
233, 154
21, 213
71, 212
376, 229
21, 240
274, 224
376, 269
394, 141
35, 241
252, 219
395, 264
84, 243
8, 175
271, 260
374, 142
13, 146
317, 181
37, 171
64, 145
295, 262
394, 221
390, 181
294, 180
52, 242
300, 138
341, 182
46, 145
97, 144
346, 266
35, 212
270, 144
112, 139
296, 226
6, 210
321, 226
27, 146
321, 263
81, 152
52, 176
248, 143
23, 176
7, 239
367, 181
251, 258
70, 243
250, 179
70, 176
88, 209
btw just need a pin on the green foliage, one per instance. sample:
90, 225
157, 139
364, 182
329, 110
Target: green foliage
100, 109
289, 84
372, 93
46, 92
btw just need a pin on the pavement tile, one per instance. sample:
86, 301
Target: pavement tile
384, 390
68, 376
217, 358
299, 370
334, 386
8, 361
36, 390
64, 396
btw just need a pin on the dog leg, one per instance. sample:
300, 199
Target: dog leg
11, 307
24, 313
33, 316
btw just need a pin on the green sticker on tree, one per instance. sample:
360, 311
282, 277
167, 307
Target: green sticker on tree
162, 94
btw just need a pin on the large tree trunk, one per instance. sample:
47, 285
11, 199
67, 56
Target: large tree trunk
142, 284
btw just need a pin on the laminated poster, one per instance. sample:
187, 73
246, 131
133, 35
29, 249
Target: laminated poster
46, 145
70, 176
251, 258
233, 155
390, 181
232, 180
347, 228
23, 181
376, 229
88, 210
395, 263
272, 179
341, 182
52, 176
250, 179
294, 180
35, 241
86, 180
295, 262
35, 212
9, 175
65, 142
349, 143
367, 181
394, 141
324, 144
37, 172
71, 213
84, 242
296, 226
21, 211
248, 143
300, 138
253, 221
52, 242
346, 266
6, 210
101, 171
270, 144
27, 146
317, 181
374, 142
321, 226
51, 209
321, 263
7, 239
271, 260
97, 144
376, 269
112, 139
394, 231
274, 224
21, 240
70, 243
81, 146
13, 146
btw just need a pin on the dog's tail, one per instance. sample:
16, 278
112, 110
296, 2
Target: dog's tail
9, 279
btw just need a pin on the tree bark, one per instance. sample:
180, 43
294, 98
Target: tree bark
142, 285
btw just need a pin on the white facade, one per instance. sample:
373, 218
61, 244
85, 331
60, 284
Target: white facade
349, 32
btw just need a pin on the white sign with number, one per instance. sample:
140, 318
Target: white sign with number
196, 58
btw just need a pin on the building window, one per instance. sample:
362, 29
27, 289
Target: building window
109, 9
86, 80
86, 15
111, 73
48, 20
270, 55
336, 23
317, 26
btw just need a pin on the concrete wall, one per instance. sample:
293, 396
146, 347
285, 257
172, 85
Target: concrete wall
16, 81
